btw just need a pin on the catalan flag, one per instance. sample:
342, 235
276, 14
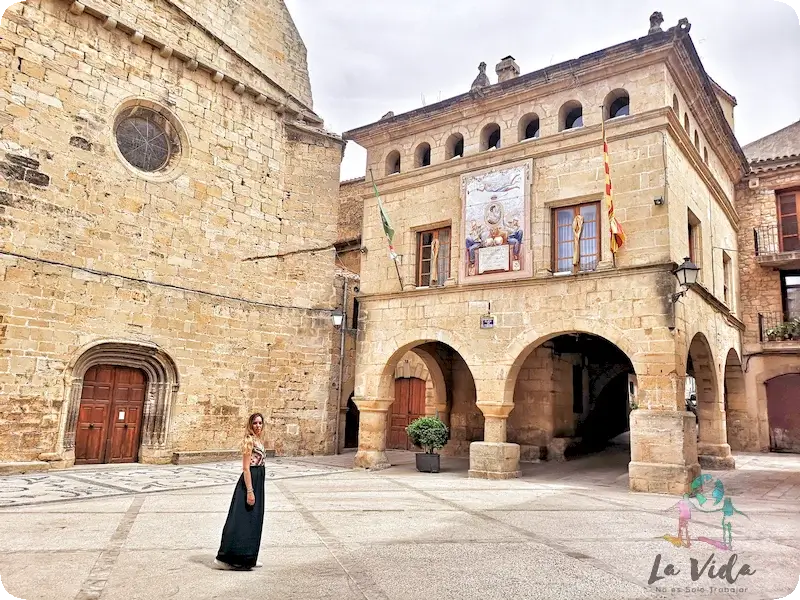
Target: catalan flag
617, 234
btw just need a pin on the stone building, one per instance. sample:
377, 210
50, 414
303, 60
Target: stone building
167, 260
768, 201
536, 340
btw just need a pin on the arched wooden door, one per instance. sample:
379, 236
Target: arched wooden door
409, 404
110, 416
783, 410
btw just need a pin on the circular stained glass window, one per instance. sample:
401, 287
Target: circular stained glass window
146, 138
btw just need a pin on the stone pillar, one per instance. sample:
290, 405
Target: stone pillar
494, 458
373, 415
663, 451
712, 447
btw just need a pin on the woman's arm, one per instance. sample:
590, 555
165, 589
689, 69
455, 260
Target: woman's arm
248, 481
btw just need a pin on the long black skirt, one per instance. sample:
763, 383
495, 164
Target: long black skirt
241, 536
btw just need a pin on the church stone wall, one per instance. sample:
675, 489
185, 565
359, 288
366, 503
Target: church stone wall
91, 251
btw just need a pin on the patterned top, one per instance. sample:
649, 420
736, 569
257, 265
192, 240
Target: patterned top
257, 457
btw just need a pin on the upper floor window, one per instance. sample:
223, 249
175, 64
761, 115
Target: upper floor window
356, 307
490, 137
422, 156
790, 287
454, 146
617, 104
695, 248
576, 236
705, 155
571, 116
676, 105
433, 257
727, 279
686, 122
393, 162
529, 127
697, 141
788, 211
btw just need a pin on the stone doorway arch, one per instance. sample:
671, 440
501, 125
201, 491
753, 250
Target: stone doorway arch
160, 394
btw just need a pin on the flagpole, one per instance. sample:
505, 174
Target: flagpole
392, 253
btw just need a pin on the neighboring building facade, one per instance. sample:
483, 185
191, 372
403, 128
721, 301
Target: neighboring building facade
536, 340
156, 156
768, 201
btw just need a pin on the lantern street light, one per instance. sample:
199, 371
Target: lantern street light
337, 316
686, 275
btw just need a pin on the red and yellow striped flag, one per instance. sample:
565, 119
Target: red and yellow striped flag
617, 234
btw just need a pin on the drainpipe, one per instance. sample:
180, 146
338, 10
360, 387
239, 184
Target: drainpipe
341, 366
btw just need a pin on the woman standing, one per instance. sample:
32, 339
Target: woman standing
241, 536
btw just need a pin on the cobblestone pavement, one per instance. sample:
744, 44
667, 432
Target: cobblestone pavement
569, 530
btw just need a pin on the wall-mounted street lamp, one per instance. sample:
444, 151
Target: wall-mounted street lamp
337, 317
686, 275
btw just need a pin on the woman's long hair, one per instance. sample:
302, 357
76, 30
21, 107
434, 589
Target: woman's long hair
251, 436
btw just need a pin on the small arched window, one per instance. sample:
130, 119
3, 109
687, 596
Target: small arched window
393, 162
705, 155
454, 147
571, 116
490, 137
618, 104
422, 155
686, 122
676, 105
529, 127
697, 141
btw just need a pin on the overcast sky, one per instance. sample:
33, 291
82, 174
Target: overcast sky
367, 57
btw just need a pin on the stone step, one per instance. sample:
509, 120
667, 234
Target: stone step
18, 468
207, 456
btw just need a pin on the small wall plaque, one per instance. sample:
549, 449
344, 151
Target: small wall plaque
487, 321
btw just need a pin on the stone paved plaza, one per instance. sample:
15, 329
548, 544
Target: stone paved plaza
569, 530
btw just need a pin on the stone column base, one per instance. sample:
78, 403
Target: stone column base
374, 460
660, 478
715, 457
56, 460
663, 452
155, 456
489, 460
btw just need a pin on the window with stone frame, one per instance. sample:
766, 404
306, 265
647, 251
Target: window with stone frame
727, 280
695, 248
790, 290
565, 224
788, 221
433, 257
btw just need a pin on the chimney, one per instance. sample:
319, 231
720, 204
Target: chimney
506, 69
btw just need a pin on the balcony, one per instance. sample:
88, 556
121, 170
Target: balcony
769, 251
773, 327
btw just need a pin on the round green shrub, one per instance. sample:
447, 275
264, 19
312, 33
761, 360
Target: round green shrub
429, 433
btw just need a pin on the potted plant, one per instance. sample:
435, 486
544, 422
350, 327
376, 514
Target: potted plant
430, 434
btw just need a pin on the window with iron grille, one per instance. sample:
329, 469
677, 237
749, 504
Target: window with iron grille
433, 257
565, 225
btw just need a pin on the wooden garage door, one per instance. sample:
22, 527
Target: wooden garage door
409, 404
110, 417
783, 409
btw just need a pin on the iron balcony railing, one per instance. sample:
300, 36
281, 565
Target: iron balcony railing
767, 240
776, 327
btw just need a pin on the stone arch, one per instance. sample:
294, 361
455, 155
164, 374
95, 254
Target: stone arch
526, 342
737, 419
712, 444
162, 389
384, 369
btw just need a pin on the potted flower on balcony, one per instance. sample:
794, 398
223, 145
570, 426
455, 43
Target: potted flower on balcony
430, 434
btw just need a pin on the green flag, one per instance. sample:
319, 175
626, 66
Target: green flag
387, 226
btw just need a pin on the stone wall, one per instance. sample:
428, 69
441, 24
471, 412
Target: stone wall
92, 251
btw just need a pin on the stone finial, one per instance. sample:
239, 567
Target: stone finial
656, 19
684, 26
507, 69
388, 115
482, 80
